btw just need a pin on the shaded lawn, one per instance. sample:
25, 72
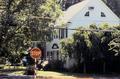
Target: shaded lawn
51, 75
63, 75
19, 70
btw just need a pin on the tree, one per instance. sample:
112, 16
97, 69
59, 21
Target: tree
67, 47
94, 50
23, 21
115, 42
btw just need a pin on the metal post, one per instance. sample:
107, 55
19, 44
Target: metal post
35, 67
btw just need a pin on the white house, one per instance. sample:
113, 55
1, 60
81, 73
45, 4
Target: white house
89, 12
84, 13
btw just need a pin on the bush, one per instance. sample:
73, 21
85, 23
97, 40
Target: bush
55, 65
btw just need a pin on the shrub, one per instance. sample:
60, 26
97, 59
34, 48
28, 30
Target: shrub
55, 65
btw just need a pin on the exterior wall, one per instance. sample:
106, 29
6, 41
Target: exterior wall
50, 45
52, 49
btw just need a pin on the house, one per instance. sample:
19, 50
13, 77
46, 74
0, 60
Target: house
89, 12
113, 4
84, 13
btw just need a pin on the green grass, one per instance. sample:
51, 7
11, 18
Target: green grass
12, 67
17, 73
19, 70
40, 73
49, 73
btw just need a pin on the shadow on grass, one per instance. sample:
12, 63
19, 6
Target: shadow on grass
63, 75
93, 76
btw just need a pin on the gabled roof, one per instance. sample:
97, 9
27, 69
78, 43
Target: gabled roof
69, 13
76, 8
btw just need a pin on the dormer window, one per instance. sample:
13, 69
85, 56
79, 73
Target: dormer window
103, 14
87, 13
91, 8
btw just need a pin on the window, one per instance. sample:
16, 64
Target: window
55, 36
62, 33
48, 53
59, 33
87, 14
57, 54
66, 32
103, 14
90, 8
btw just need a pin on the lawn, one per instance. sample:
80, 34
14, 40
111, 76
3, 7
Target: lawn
60, 75
52, 74
48, 75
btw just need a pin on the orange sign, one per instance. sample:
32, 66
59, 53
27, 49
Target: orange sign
35, 53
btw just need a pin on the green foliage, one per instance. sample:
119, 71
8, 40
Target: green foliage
87, 46
104, 26
115, 42
67, 46
23, 21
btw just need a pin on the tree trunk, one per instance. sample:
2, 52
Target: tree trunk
84, 68
104, 67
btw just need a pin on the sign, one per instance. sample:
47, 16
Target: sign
55, 46
35, 53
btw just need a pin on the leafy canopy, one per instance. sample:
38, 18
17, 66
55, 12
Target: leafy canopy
24, 21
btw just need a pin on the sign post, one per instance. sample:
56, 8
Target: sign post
35, 53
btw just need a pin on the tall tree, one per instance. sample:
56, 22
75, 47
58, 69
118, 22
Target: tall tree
23, 21
94, 49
